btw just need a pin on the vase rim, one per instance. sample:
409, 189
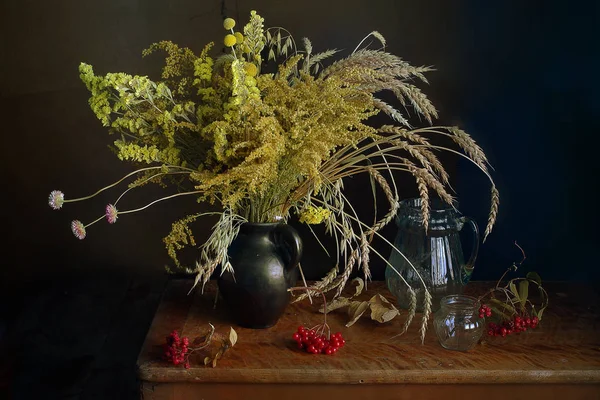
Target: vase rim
437, 205
264, 223
459, 301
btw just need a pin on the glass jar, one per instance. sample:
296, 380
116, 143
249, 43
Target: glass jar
457, 323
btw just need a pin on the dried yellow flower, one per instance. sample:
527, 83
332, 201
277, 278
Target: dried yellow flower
229, 40
250, 69
228, 23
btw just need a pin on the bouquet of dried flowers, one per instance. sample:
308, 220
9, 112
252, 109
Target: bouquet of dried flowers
270, 129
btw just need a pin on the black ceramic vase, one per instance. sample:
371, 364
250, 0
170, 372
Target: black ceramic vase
264, 259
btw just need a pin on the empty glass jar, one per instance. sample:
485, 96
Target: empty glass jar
457, 323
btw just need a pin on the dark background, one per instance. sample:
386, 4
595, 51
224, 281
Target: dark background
520, 76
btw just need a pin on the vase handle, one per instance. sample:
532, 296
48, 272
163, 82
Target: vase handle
467, 270
288, 244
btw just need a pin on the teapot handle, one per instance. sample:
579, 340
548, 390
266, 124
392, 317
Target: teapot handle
289, 244
470, 265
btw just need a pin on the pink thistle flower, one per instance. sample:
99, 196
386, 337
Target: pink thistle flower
56, 199
78, 229
111, 214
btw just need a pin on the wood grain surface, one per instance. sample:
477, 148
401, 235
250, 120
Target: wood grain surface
563, 350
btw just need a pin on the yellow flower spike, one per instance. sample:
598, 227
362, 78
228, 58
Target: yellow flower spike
228, 23
250, 69
239, 37
250, 81
229, 40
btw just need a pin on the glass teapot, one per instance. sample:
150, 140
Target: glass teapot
437, 254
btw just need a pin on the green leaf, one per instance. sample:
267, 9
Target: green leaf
513, 289
523, 292
496, 310
539, 313
533, 276
506, 306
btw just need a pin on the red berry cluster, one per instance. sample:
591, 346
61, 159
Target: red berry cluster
316, 343
177, 350
516, 325
485, 311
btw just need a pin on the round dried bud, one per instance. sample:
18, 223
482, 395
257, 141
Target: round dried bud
250, 69
239, 37
228, 23
230, 40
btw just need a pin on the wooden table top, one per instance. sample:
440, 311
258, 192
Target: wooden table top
564, 349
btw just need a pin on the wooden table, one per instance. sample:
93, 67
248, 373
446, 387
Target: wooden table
559, 359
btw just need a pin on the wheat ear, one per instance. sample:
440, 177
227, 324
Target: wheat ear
426, 314
424, 194
493, 212
341, 281
323, 283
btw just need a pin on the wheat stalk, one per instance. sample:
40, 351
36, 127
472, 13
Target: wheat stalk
342, 279
424, 195
426, 313
364, 252
493, 212
322, 284
412, 310
466, 142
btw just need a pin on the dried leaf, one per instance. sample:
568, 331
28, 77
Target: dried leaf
233, 337
335, 304
381, 309
356, 310
359, 287
217, 357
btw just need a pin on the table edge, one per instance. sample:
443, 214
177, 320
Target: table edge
458, 376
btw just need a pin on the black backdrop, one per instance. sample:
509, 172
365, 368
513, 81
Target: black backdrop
520, 76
